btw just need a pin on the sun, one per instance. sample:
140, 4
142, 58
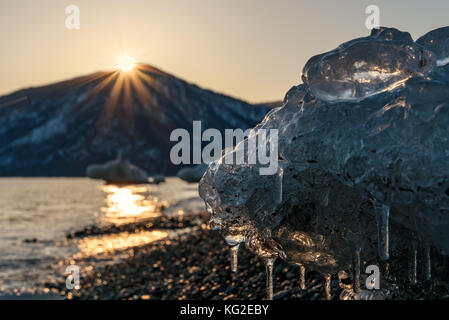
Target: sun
125, 63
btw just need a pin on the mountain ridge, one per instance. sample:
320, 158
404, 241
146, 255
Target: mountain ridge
60, 128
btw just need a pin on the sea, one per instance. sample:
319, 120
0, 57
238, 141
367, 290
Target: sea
37, 214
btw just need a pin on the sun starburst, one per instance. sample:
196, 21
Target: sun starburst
125, 63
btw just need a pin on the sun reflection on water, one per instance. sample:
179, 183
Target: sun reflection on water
127, 204
96, 245
123, 205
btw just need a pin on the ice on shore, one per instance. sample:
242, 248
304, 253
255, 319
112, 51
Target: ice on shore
371, 173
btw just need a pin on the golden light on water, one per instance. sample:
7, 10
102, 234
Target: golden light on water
123, 205
96, 245
128, 204
131, 209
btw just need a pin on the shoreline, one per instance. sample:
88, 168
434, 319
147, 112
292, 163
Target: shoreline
194, 265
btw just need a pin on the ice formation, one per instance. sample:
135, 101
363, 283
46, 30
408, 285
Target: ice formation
117, 171
367, 66
157, 178
364, 156
192, 174
438, 42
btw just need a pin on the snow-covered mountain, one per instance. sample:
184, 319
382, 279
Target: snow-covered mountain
59, 129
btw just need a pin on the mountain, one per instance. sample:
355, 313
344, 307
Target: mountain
59, 129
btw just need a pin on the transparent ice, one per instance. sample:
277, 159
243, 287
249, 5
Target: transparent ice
437, 41
368, 171
366, 66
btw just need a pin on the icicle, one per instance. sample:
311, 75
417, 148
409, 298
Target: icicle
327, 286
302, 277
209, 209
234, 257
427, 262
280, 181
413, 262
269, 270
343, 282
356, 269
325, 198
386, 268
382, 217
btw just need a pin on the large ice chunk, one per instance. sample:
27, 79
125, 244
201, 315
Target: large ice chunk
371, 174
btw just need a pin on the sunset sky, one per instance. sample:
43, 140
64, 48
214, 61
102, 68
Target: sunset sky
250, 49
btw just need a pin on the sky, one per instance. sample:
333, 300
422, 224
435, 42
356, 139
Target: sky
249, 49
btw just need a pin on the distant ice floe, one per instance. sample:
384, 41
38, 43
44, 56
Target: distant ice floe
117, 171
192, 174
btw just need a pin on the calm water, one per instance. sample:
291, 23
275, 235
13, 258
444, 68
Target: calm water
45, 210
